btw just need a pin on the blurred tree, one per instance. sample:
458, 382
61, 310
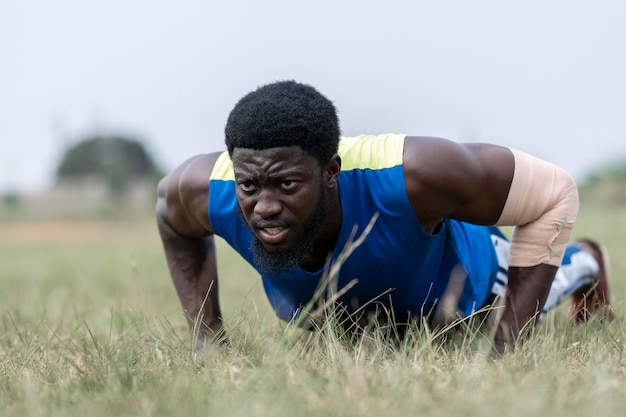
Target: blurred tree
115, 160
11, 200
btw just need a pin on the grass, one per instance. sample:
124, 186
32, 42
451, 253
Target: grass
90, 324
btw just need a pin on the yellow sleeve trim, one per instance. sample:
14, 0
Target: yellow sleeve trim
223, 168
369, 151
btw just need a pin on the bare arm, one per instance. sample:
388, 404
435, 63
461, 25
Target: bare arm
187, 239
471, 182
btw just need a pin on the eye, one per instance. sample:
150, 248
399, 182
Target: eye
288, 185
247, 186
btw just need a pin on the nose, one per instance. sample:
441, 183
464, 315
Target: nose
267, 205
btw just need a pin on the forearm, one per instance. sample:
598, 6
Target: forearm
526, 295
542, 204
192, 265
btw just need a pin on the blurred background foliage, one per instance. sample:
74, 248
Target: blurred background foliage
115, 161
101, 155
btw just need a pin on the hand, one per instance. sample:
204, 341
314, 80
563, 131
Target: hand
208, 333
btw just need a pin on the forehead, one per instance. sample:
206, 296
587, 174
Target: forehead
291, 158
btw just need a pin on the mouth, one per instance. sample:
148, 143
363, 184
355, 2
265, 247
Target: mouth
272, 235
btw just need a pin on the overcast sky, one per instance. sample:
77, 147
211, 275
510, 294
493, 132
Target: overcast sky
548, 77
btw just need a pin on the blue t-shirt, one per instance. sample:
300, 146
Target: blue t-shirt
399, 266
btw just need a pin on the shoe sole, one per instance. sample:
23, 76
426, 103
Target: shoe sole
596, 297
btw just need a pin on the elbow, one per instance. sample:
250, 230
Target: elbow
568, 197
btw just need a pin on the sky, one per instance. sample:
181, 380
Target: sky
544, 77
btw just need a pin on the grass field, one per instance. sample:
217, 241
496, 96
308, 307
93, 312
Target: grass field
90, 325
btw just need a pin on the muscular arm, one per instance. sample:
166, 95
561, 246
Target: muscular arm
471, 182
468, 182
187, 239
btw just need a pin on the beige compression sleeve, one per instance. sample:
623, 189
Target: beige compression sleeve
542, 205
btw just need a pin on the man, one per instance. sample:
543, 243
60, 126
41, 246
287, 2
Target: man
289, 192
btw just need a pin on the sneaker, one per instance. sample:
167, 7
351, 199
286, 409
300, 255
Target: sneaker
597, 296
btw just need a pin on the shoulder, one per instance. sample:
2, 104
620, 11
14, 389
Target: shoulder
425, 157
435, 160
183, 196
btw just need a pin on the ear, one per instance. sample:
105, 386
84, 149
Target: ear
332, 171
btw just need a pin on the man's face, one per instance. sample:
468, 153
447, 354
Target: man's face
284, 202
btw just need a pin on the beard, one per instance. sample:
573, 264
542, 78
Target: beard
268, 262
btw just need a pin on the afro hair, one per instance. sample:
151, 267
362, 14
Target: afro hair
284, 113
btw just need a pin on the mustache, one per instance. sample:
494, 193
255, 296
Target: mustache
262, 223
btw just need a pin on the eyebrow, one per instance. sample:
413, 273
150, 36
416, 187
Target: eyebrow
283, 172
